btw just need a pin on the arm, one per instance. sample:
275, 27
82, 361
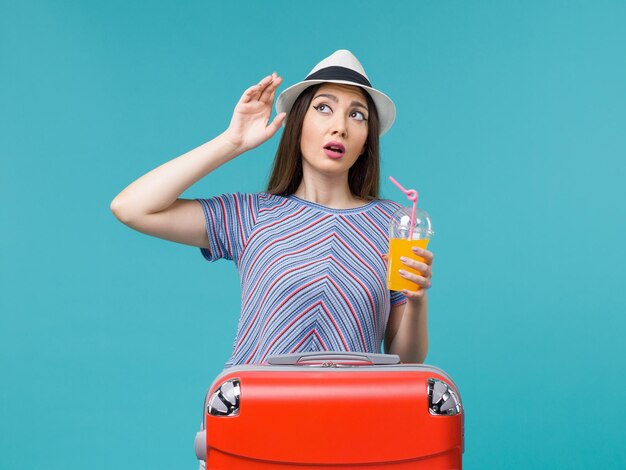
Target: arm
407, 331
151, 204
407, 328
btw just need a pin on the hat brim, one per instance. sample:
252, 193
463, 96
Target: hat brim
384, 106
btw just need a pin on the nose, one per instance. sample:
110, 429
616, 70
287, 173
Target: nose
339, 126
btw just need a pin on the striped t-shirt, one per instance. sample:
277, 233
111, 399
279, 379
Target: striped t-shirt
312, 277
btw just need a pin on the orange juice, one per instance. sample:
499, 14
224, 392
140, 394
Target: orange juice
402, 247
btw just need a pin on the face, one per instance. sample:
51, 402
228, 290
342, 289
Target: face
334, 130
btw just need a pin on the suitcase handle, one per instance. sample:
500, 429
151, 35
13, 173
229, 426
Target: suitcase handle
332, 358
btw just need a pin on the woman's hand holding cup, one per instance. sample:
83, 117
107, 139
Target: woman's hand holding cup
418, 270
424, 266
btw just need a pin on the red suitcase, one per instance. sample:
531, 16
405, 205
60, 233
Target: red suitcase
332, 410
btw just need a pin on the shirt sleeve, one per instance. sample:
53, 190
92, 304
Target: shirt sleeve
397, 298
228, 218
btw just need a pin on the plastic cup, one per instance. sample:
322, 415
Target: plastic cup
400, 244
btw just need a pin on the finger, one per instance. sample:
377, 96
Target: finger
268, 85
249, 93
275, 124
419, 280
427, 255
414, 294
417, 265
267, 89
270, 98
385, 258
267, 95
255, 90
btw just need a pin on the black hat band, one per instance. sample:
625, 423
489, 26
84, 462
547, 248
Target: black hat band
336, 72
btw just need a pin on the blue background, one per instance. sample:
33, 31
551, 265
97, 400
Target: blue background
511, 124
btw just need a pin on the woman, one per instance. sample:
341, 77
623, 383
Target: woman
311, 250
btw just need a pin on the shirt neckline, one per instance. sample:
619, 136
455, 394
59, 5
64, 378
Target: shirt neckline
331, 210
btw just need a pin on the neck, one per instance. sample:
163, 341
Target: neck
328, 190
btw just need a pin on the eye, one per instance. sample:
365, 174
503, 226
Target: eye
322, 108
358, 115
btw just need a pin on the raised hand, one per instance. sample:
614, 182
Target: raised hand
249, 125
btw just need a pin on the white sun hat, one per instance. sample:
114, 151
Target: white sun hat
344, 68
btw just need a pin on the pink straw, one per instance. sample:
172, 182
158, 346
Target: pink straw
411, 195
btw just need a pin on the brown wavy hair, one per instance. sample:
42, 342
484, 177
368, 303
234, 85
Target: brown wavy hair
286, 176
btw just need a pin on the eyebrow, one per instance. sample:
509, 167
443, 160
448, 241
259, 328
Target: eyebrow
334, 98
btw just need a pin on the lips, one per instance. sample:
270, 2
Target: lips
334, 149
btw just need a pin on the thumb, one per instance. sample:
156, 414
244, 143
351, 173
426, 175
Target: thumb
276, 123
